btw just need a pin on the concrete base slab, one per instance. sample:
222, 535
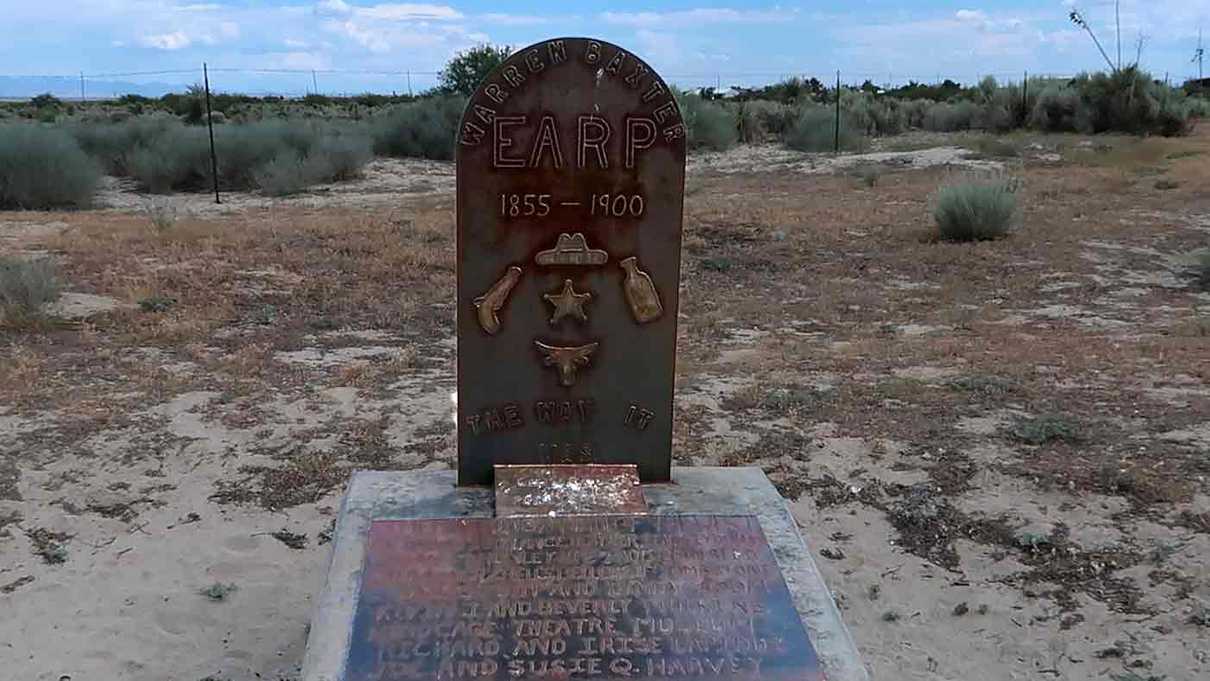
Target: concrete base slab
433, 494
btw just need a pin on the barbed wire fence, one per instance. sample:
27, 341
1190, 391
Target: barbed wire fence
296, 83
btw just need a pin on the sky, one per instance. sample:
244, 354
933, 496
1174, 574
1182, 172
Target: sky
363, 45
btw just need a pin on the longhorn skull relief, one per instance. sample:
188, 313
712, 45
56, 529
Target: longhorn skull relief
567, 361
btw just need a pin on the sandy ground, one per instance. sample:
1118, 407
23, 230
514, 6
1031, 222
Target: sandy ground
184, 535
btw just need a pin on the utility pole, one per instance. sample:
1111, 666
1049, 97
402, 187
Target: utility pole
1199, 54
81, 86
314, 83
1117, 18
409, 82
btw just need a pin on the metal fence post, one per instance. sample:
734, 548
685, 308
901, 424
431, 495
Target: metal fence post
1025, 99
837, 135
210, 125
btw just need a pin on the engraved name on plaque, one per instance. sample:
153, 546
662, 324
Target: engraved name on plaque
571, 168
605, 597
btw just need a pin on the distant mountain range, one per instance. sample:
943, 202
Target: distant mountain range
66, 87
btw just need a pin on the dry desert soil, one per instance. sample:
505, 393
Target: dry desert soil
997, 451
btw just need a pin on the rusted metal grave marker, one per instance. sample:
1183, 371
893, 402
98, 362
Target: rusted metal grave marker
571, 161
571, 169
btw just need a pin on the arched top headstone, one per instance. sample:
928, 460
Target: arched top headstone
571, 169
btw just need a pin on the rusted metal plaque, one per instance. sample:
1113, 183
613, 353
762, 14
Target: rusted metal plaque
612, 597
593, 489
571, 170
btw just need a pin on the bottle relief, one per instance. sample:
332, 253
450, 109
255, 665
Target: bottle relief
640, 292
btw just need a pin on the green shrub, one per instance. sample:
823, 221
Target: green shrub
112, 143
425, 128
976, 209
1042, 429
42, 168
178, 160
1059, 109
815, 130
761, 120
333, 157
344, 156
1122, 101
868, 174
27, 285
1128, 100
1199, 271
46, 101
709, 125
871, 115
950, 117
277, 156
288, 173
914, 111
996, 147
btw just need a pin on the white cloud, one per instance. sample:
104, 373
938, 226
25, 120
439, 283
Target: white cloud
696, 17
519, 19
176, 40
338, 8
408, 12
971, 16
372, 40
382, 28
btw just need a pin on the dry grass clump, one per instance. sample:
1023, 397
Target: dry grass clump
976, 209
26, 286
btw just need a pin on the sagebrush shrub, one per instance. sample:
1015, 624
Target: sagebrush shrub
1128, 100
815, 130
166, 156
709, 125
951, 117
174, 163
870, 115
425, 128
761, 120
288, 173
27, 285
43, 167
332, 159
1199, 271
344, 156
1039, 430
1058, 108
976, 209
112, 143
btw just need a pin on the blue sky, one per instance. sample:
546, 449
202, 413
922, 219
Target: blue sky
692, 42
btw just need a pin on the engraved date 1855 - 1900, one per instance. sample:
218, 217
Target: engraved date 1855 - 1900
538, 205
